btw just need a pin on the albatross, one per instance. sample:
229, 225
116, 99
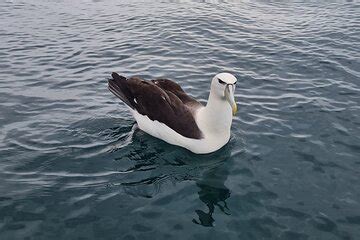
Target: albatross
162, 109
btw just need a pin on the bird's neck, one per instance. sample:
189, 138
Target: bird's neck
216, 117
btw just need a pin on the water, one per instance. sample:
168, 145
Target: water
73, 166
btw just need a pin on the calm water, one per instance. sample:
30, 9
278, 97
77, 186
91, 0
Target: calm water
73, 166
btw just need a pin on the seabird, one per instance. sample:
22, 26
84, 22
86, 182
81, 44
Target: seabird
162, 109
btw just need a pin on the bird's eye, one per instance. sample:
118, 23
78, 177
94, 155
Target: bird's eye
221, 82
235, 83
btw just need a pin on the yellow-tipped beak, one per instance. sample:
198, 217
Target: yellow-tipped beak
229, 95
234, 109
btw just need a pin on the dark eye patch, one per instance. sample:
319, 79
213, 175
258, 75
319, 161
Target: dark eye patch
221, 81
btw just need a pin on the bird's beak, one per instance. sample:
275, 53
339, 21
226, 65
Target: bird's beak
229, 95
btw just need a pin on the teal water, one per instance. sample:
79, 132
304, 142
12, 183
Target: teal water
72, 166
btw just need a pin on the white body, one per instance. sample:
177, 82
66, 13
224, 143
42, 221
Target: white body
208, 144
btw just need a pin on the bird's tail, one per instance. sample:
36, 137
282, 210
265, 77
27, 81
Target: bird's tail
119, 87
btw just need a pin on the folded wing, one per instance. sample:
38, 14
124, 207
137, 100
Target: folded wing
160, 100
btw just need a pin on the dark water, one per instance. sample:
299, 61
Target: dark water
72, 166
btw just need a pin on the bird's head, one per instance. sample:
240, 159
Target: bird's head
223, 86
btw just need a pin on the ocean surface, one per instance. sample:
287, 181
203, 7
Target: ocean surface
74, 166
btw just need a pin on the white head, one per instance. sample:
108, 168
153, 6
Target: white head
223, 86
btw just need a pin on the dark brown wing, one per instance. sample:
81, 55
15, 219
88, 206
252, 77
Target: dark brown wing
164, 101
175, 88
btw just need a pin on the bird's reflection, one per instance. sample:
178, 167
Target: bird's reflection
154, 169
213, 193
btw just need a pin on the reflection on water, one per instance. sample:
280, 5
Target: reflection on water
175, 165
213, 193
